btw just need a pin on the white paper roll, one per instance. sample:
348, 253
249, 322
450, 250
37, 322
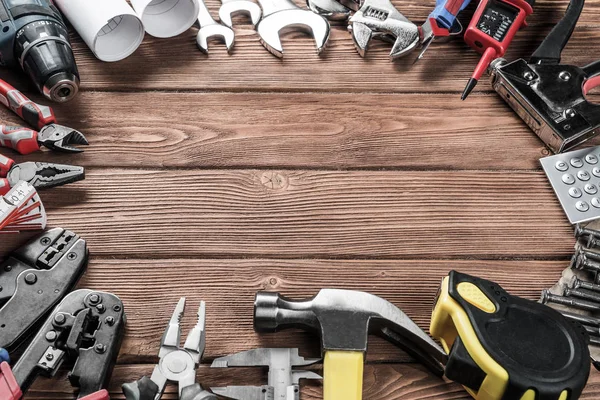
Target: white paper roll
110, 28
167, 18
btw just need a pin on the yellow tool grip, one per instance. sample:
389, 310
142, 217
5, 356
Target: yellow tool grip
343, 375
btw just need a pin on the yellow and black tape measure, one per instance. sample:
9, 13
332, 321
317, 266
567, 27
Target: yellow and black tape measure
503, 347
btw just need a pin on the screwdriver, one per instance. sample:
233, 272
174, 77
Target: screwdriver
491, 31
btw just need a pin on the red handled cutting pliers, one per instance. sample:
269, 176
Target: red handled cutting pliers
40, 175
24, 140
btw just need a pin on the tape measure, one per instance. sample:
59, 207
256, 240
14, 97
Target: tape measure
503, 347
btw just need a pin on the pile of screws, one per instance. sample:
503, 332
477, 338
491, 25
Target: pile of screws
577, 294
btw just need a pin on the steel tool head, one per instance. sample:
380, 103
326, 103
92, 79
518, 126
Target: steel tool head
344, 318
377, 17
239, 7
223, 32
272, 25
330, 9
60, 138
45, 175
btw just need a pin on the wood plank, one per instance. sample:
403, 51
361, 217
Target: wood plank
327, 214
272, 130
150, 289
381, 381
176, 64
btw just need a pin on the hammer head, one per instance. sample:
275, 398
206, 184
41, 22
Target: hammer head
344, 319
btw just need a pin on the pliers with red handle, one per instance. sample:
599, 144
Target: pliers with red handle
40, 175
49, 134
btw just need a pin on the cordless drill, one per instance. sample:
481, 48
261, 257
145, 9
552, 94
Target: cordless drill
34, 36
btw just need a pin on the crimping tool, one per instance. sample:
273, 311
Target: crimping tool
34, 279
85, 329
549, 96
502, 347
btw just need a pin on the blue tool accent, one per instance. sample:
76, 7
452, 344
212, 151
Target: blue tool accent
4, 355
445, 18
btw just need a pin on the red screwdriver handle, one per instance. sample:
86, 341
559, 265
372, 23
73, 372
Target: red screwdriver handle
35, 114
22, 140
4, 186
6, 165
9, 388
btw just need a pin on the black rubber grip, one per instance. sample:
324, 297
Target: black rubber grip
143, 389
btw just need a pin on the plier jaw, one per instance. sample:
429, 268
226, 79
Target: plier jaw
60, 138
45, 175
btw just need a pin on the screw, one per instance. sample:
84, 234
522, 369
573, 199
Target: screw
528, 75
570, 113
577, 283
583, 294
94, 299
45, 241
565, 76
582, 319
30, 278
8, 268
591, 234
117, 308
72, 256
100, 308
582, 261
51, 336
548, 297
60, 319
99, 348
49, 357
110, 321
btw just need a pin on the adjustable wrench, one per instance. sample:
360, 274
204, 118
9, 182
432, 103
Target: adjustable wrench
279, 15
209, 28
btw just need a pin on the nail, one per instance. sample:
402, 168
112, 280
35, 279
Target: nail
582, 319
577, 283
548, 297
583, 294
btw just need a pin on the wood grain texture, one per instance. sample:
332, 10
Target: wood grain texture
330, 214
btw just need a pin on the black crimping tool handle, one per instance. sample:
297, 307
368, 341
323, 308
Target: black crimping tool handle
549, 96
86, 330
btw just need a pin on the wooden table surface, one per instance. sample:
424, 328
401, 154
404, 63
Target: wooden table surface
214, 177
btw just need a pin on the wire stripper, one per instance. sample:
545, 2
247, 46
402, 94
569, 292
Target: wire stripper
502, 347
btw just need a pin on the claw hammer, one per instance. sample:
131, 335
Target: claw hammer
344, 319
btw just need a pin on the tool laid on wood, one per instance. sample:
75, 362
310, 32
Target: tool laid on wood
51, 135
39, 175
85, 330
209, 28
344, 319
491, 31
549, 96
574, 178
232, 7
442, 22
284, 381
176, 364
34, 36
34, 278
279, 15
379, 18
504, 347
22, 210
333, 10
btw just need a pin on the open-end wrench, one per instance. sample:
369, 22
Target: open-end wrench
330, 9
232, 7
379, 18
211, 28
279, 15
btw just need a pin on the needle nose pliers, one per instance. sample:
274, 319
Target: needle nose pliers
49, 134
40, 175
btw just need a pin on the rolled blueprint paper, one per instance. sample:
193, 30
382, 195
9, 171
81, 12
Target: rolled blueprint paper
110, 28
167, 18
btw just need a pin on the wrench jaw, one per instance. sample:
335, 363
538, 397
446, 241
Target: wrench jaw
224, 33
330, 9
362, 35
407, 41
234, 7
271, 26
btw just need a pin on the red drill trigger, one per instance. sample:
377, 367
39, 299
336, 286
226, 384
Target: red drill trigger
9, 388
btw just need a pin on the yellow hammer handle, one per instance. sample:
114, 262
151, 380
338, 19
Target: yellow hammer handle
343, 375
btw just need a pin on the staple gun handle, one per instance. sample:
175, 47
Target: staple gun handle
551, 48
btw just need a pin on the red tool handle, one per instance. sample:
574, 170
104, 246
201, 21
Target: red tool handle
99, 395
23, 140
35, 114
6, 165
9, 388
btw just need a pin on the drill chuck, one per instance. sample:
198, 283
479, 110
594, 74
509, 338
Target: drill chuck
34, 36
